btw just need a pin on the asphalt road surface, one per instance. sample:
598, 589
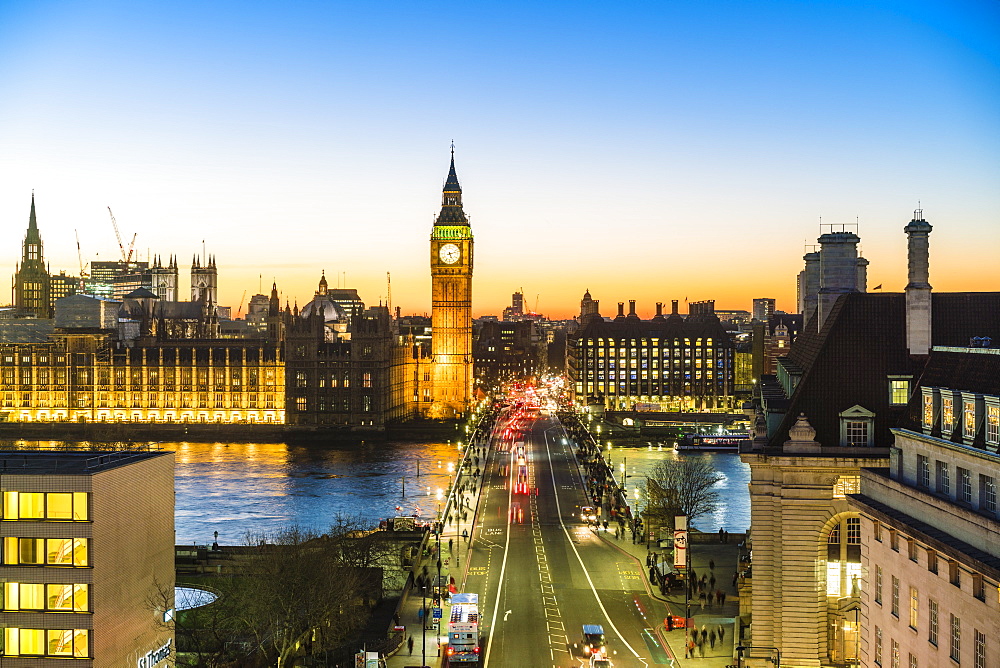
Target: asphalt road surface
541, 572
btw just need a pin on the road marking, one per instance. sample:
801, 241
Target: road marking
506, 615
586, 574
503, 569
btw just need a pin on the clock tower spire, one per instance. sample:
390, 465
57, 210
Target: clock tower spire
451, 312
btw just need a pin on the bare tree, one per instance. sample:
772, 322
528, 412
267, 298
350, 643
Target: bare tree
683, 486
289, 594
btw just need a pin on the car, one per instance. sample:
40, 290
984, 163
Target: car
600, 661
594, 641
588, 513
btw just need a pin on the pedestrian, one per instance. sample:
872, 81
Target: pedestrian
704, 633
409, 644
723, 597
701, 600
722, 632
711, 565
649, 559
451, 546
711, 582
722, 533
711, 639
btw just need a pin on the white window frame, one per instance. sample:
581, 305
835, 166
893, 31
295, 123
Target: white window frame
853, 415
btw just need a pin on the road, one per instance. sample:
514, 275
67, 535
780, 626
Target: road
542, 573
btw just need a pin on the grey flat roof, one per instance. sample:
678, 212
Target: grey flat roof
69, 462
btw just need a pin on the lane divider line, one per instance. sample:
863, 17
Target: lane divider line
572, 545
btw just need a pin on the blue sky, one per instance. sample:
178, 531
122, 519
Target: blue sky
648, 151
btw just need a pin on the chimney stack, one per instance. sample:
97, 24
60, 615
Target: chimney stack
918, 289
659, 309
631, 309
621, 310
808, 285
838, 270
862, 274
673, 307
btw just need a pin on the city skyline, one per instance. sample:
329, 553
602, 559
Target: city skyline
648, 153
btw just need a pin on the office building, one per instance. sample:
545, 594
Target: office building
87, 557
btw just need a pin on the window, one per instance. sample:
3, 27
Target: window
978, 589
954, 573
49, 597
878, 646
923, 471
895, 596
987, 493
914, 607
964, 485
894, 540
943, 482
846, 484
878, 585
980, 654
993, 424
947, 414
913, 661
932, 561
857, 434
66, 506
956, 638
932, 621
899, 391
45, 551
854, 531
877, 530
969, 419
46, 642
911, 549
895, 654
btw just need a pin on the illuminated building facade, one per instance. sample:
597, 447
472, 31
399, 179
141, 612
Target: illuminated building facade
679, 364
84, 376
31, 280
831, 412
87, 545
931, 595
451, 311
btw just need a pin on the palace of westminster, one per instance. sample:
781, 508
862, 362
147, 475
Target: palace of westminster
117, 344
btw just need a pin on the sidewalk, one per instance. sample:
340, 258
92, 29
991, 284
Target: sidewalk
705, 553
712, 617
455, 551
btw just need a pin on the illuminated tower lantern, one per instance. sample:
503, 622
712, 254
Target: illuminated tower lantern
451, 314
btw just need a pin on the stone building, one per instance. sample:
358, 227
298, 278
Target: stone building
89, 376
31, 278
828, 413
679, 364
929, 530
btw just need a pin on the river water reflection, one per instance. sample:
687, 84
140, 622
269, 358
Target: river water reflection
233, 488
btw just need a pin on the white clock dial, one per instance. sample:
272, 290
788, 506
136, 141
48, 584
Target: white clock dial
449, 253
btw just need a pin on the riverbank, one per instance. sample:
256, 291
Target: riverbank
212, 432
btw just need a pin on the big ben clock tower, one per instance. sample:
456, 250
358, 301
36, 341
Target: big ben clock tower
451, 312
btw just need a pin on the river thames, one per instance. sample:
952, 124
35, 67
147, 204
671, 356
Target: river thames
238, 488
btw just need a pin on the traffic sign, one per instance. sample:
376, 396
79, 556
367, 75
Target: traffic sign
438, 613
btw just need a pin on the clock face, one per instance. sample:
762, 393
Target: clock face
449, 253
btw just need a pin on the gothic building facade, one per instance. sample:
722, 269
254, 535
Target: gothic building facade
31, 280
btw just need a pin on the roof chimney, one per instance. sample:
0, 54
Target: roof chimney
631, 309
673, 307
659, 309
808, 285
918, 289
621, 310
838, 270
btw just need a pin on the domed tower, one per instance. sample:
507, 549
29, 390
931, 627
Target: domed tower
451, 310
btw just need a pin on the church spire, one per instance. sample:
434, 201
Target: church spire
451, 198
32, 236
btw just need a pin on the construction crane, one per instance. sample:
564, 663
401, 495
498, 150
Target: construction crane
79, 256
240, 309
126, 257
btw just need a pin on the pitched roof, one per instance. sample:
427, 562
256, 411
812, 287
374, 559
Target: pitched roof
861, 344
